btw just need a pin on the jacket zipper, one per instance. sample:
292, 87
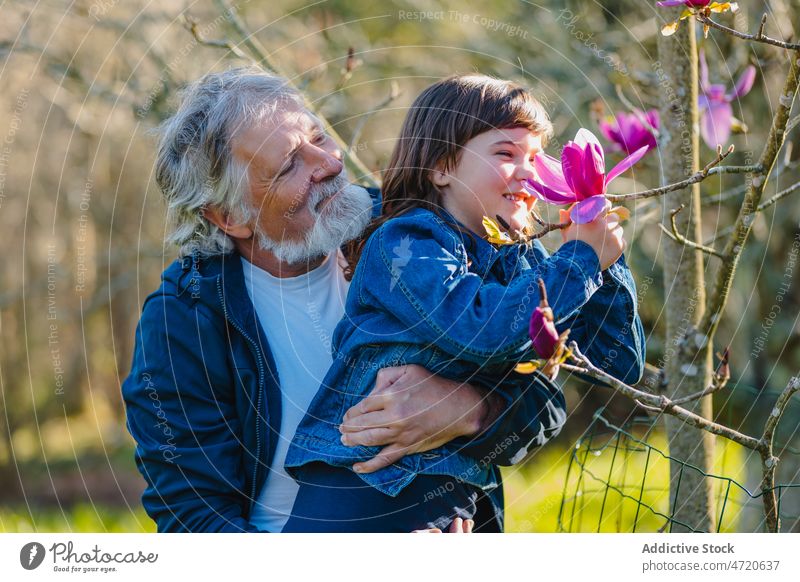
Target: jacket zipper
261, 389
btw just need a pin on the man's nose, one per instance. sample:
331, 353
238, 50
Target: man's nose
329, 164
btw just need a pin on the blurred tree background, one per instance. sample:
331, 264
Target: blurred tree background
84, 82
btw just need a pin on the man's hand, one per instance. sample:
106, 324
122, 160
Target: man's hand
411, 410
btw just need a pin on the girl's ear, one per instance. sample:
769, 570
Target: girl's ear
439, 176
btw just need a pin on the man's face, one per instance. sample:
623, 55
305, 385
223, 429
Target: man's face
304, 204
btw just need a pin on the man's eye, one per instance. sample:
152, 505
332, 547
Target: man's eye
320, 137
287, 168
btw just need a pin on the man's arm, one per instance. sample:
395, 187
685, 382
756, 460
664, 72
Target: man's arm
411, 410
180, 410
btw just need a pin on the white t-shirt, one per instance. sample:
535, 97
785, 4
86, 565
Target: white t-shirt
298, 315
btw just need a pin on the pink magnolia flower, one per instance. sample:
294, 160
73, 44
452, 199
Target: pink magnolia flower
629, 132
542, 332
695, 8
579, 178
715, 104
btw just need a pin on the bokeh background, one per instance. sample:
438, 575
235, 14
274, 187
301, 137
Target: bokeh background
84, 83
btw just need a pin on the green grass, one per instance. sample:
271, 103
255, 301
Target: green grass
535, 491
533, 495
79, 518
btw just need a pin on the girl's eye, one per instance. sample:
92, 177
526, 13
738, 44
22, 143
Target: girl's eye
505, 154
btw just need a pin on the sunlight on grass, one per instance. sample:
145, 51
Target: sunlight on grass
638, 491
80, 518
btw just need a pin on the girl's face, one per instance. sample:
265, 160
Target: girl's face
489, 176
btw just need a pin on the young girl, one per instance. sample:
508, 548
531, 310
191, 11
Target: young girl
427, 289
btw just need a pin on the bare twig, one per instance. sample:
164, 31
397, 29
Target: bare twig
660, 402
718, 382
710, 169
191, 25
358, 169
778, 196
679, 238
752, 199
394, 93
769, 461
758, 37
777, 411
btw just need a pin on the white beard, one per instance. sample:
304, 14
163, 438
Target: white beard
341, 220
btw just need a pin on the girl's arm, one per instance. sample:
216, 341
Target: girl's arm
415, 267
608, 328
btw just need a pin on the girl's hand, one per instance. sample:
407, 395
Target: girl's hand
604, 234
458, 526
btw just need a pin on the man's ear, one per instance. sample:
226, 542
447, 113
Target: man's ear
223, 221
439, 176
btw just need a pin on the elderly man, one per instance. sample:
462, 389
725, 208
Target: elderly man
234, 344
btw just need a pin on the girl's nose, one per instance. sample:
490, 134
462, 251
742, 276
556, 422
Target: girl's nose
329, 165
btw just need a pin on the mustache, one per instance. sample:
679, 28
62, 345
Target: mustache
326, 189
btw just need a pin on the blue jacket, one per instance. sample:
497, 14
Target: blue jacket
203, 399
426, 293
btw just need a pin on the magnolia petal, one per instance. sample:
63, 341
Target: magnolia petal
626, 164
527, 367
744, 84
585, 137
670, 29
550, 172
572, 163
715, 127
543, 333
594, 170
587, 210
547, 194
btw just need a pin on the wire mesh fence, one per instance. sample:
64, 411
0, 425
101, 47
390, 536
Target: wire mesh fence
618, 480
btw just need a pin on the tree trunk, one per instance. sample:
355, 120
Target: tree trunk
687, 357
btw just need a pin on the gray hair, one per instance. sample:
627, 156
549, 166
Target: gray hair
194, 165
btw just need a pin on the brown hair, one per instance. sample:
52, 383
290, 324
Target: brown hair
442, 119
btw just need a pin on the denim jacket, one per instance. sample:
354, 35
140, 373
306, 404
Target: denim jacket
426, 293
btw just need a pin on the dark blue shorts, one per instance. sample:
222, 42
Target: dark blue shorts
334, 499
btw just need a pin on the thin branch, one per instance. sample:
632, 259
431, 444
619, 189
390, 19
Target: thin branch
394, 93
679, 238
661, 402
778, 196
718, 381
358, 170
191, 25
710, 169
752, 200
777, 411
758, 37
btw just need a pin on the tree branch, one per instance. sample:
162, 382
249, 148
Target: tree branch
659, 402
679, 238
750, 206
358, 170
777, 411
711, 169
758, 37
778, 196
